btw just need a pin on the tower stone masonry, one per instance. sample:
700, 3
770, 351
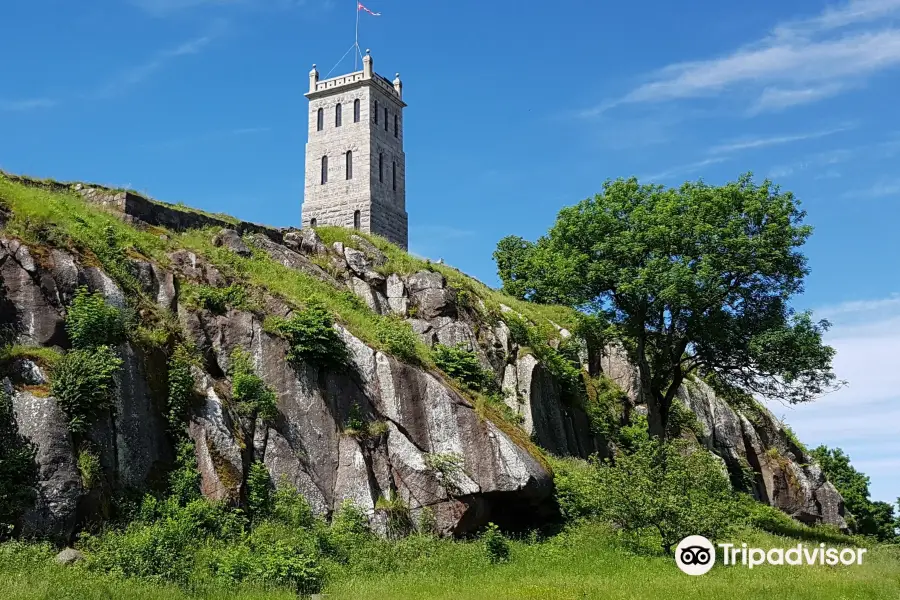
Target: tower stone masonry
355, 165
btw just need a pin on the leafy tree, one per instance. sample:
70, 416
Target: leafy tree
871, 518
693, 279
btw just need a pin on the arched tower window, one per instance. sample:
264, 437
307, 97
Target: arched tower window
349, 165
376, 112
320, 120
324, 170
356, 111
338, 110
394, 174
312, 222
356, 219
381, 167
396, 125
385, 118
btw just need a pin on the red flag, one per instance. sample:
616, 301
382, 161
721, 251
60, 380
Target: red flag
361, 7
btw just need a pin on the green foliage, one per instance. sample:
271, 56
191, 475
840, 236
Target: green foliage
18, 472
605, 406
463, 365
665, 489
90, 468
92, 322
496, 546
83, 382
397, 337
697, 277
259, 492
184, 480
447, 466
215, 299
279, 563
398, 519
251, 395
291, 508
181, 387
874, 519
312, 337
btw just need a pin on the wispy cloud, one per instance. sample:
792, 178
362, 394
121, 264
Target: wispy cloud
28, 104
685, 169
880, 189
163, 8
775, 140
800, 62
139, 73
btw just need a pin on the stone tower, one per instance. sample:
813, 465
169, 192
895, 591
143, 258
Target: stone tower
355, 165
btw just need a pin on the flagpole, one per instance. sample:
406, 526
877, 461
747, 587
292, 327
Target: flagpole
356, 54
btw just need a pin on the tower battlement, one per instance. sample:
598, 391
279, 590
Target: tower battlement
355, 164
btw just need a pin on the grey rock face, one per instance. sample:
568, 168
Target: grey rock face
59, 487
229, 238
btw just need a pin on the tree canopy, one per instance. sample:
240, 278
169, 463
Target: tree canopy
691, 279
873, 518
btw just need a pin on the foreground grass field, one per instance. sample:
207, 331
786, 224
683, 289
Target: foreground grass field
585, 562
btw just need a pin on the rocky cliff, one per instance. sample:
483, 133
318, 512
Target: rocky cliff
56, 239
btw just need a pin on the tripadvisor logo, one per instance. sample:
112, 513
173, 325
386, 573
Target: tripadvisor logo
696, 555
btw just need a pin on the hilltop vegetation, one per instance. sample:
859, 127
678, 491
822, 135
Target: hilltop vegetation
252, 326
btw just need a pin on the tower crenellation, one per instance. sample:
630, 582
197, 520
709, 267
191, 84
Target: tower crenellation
355, 164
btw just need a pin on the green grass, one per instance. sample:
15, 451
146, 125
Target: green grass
46, 357
584, 562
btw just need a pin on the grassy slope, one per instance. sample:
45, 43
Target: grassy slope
584, 563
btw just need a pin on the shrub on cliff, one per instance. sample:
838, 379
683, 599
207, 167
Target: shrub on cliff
83, 382
311, 336
251, 394
91, 321
463, 365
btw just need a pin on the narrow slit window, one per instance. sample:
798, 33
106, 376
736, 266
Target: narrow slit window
312, 222
356, 219
349, 164
396, 125
338, 114
381, 168
356, 111
394, 175
376, 112
320, 120
385, 118
324, 170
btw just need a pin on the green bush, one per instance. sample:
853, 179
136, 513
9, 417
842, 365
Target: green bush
463, 366
259, 492
448, 467
397, 515
312, 337
665, 490
84, 383
90, 468
184, 479
495, 543
277, 563
605, 405
250, 393
92, 322
18, 471
291, 508
398, 338
181, 387
215, 300
671, 489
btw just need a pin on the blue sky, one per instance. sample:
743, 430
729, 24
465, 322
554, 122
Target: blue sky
515, 110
